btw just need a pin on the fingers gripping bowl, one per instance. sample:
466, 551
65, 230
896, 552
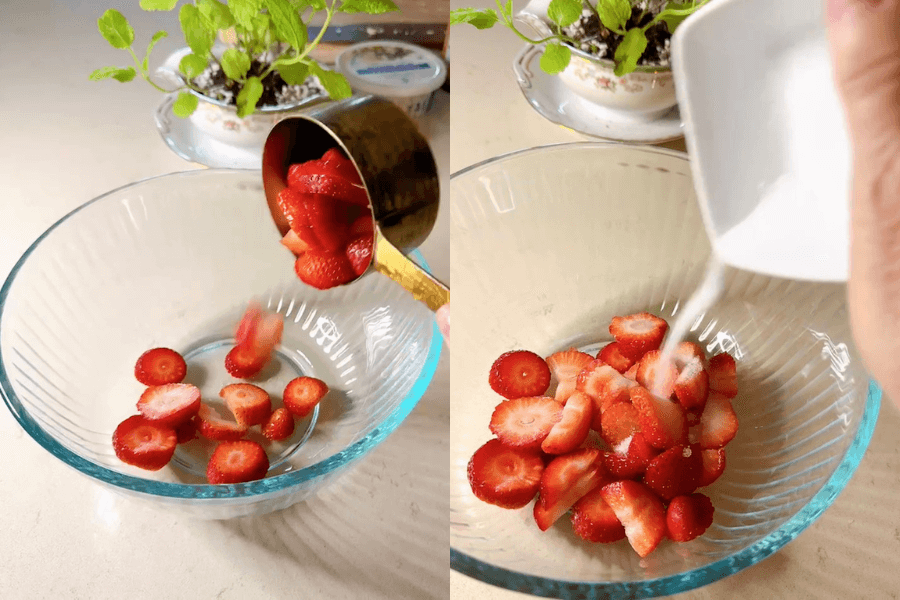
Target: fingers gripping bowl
172, 261
550, 243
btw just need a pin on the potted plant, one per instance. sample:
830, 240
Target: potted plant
612, 52
238, 90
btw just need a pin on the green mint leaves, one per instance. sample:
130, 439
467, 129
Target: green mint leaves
480, 19
216, 14
293, 74
372, 7
334, 83
235, 63
185, 104
158, 4
249, 96
564, 12
614, 14
287, 23
123, 75
676, 12
198, 35
555, 58
630, 50
115, 29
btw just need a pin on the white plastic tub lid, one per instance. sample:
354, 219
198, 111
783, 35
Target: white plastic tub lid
389, 68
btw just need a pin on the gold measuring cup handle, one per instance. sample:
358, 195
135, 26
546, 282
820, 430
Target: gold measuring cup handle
412, 277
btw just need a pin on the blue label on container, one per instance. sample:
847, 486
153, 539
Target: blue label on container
393, 69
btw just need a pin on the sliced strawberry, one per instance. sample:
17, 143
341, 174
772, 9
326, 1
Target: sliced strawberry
713, 465
257, 335
662, 420
688, 517
593, 378
572, 429
171, 405
237, 462
565, 481
631, 373
612, 355
249, 404
657, 375
329, 184
243, 363
640, 512
595, 521
303, 394
619, 422
504, 476
142, 443
686, 352
723, 375
565, 367
363, 226
633, 462
324, 270
615, 391
293, 204
294, 243
187, 431
215, 427
675, 472
519, 374
525, 422
718, 423
359, 253
159, 367
336, 163
279, 426
249, 323
328, 221
692, 385
639, 333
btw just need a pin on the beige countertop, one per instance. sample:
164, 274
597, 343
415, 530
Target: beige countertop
853, 550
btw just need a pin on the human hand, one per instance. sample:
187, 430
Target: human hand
443, 320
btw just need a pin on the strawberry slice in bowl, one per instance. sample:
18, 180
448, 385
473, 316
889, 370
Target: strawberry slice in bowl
256, 337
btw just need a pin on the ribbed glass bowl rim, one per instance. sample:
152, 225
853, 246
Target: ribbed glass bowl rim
688, 580
271, 485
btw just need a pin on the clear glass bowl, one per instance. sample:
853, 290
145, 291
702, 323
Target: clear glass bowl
173, 261
548, 245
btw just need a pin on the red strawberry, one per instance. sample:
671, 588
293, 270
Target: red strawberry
723, 375
324, 270
292, 242
592, 380
335, 163
518, 374
639, 333
249, 323
572, 429
359, 253
612, 355
241, 362
615, 391
504, 476
249, 404
302, 394
327, 221
257, 335
713, 465
143, 443
525, 422
686, 352
633, 462
363, 226
331, 185
675, 472
171, 405
692, 385
565, 481
293, 204
631, 373
159, 367
718, 423
640, 512
237, 462
656, 375
565, 367
595, 521
619, 422
187, 431
213, 426
279, 426
688, 517
662, 421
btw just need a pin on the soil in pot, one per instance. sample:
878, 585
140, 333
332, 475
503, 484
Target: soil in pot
598, 41
276, 92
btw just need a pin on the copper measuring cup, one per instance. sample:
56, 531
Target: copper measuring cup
397, 169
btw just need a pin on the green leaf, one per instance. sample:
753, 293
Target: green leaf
198, 35
249, 96
555, 58
216, 13
629, 51
564, 12
184, 105
287, 23
676, 12
123, 75
192, 65
293, 74
158, 4
243, 11
334, 83
508, 9
156, 37
614, 14
481, 19
372, 7
115, 29
235, 63
301, 5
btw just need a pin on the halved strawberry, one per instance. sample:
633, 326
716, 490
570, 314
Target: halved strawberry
172, 404
279, 426
657, 375
324, 270
327, 218
640, 512
519, 374
639, 333
633, 462
160, 366
187, 431
723, 375
214, 426
302, 394
565, 367
330, 184
612, 355
525, 422
336, 163
713, 465
631, 373
662, 420
294, 243
237, 462
692, 385
257, 335
718, 423
249, 404
595, 521
688, 517
363, 226
249, 323
243, 363
619, 422
504, 476
572, 429
142, 443
592, 380
565, 481
686, 352
359, 253
293, 204
675, 472
615, 391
